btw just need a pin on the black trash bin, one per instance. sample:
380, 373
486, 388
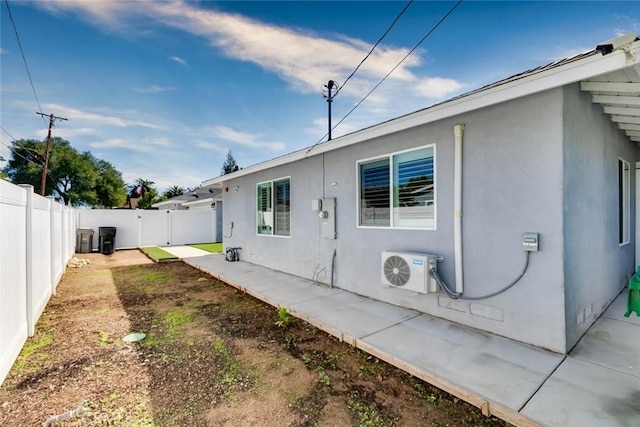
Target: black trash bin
107, 240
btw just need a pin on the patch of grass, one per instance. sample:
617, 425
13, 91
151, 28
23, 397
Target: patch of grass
233, 376
171, 322
319, 360
174, 319
366, 414
157, 254
425, 391
104, 338
153, 281
155, 277
209, 247
32, 347
152, 339
324, 378
284, 317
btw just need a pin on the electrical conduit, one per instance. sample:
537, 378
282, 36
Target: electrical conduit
457, 205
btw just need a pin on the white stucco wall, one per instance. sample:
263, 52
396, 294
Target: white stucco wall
597, 267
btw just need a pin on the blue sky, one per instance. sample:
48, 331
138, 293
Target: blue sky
164, 89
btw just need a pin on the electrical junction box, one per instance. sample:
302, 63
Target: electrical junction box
530, 242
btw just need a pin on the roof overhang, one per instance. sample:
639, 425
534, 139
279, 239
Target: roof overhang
619, 94
165, 203
624, 58
196, 202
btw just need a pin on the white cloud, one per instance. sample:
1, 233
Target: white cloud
68, 132
211, 146
629, 25
437, 87
144, 145
179, 60
154, 89
302, 59
242, 138
97, 118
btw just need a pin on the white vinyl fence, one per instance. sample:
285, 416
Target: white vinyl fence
140, 228
37, 238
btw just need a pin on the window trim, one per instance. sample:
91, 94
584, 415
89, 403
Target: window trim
624, 202
273, 195
390, 156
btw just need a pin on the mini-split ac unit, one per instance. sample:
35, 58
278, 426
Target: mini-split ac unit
409, 271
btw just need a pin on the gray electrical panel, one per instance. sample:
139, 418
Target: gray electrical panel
328, 217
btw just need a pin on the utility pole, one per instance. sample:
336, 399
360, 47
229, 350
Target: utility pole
326, 92
52, 121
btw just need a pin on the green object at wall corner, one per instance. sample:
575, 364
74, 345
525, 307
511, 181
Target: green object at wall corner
633, 299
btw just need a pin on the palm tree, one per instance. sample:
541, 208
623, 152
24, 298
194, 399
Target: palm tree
174, 191
140, 187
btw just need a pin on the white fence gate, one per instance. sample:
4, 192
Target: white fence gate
37, 238
140, 228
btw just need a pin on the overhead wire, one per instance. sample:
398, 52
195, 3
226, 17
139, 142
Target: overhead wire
24, 58
393, 69
375, 45
13, 139
15, 152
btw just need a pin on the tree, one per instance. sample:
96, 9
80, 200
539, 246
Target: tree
174, 191
110, 187
148, 198
77, 179
229, 164
145, 191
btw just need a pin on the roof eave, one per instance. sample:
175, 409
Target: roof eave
198, 201
565, 74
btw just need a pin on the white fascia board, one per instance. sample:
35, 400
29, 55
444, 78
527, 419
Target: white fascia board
198, 202
165, 203
572, 72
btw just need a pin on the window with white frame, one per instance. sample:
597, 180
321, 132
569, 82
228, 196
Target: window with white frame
274, 207
398, 190
624, 205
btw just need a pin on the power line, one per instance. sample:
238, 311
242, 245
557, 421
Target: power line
24, 58
376, 45
7, 132
15, 152
394, 68
13, 139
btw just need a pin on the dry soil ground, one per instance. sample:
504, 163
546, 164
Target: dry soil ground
212, 356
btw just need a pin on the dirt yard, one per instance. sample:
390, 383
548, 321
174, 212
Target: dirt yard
212, 356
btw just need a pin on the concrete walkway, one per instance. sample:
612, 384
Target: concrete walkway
185, 251
598, 384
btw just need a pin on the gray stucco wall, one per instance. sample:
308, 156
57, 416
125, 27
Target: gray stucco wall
597, 267
513, 183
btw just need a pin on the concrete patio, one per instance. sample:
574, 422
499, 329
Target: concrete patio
597, 384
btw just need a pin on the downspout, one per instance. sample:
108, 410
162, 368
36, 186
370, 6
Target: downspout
457, 205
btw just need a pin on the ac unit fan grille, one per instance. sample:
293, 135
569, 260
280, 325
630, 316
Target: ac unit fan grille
397, 270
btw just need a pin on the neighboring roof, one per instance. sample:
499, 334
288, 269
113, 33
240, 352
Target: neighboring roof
618, 58
199, 195
208, 201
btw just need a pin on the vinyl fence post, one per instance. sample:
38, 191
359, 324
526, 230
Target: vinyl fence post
29, 258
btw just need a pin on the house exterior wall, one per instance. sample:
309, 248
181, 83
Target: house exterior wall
513, 183
597, 267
